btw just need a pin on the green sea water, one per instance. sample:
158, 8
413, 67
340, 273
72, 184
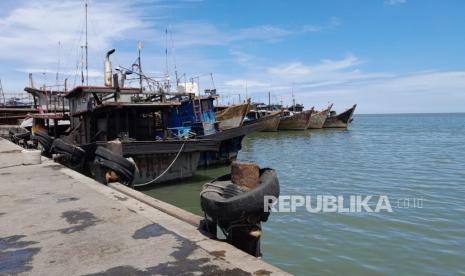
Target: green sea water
405, 156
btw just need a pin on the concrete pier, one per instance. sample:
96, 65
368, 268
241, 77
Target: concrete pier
55, 221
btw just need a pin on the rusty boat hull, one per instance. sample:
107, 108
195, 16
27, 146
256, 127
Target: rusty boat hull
152, 158
298, 121
318, 119
341, 120
232, 116
272, 122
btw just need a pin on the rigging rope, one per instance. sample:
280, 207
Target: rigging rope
165, 171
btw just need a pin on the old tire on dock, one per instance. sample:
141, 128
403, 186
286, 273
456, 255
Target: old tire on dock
225, 202
110, 161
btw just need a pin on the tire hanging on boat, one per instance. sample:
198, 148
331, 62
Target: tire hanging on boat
113, 162
74, 153
44, 140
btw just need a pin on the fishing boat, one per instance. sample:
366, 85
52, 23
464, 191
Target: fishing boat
102, 115
318, 118
294, 121
14, 109
198, 114
112, 124
232, 116
272, 118
52, 111
341, 120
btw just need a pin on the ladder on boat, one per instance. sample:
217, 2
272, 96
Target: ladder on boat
197, 110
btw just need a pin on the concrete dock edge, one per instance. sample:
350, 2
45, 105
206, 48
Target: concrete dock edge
34, 197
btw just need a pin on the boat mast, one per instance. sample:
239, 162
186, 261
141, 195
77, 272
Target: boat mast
246, 91
269, 99
82, 65
139, 47
58, 64
293, 99
87, 55
166, 58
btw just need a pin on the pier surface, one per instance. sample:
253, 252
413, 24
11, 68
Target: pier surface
55, 221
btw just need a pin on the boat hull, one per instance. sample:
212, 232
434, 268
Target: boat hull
231, 142
273, 123
297, 121
150, 166
318, 119
232, 116
152, 158
341, 120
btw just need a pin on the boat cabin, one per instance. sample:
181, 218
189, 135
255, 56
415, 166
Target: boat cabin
48, 100
104, 114
296, 108
196, 114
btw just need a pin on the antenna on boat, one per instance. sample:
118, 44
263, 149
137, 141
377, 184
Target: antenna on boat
166, 53
213, 81
174, 58
87, 54
58, 64
140, 46
246, 91
82, 65
293, 99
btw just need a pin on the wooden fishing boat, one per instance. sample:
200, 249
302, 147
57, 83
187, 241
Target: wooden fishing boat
14, 115
231, 142
136, 130
294, 121
317, 120
341, 120
197, 115
272, 117
232, 116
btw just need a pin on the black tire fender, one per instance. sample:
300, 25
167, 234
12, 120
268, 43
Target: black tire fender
120, 160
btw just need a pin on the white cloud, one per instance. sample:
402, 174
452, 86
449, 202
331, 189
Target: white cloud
32, 31
292, 70
326, 68
188, 34
341, 81
243, 83
36, 27
394, 2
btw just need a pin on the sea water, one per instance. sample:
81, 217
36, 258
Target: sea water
408, 158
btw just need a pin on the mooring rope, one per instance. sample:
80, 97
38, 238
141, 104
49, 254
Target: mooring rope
165, 171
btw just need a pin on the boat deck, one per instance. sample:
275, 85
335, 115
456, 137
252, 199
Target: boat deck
55, 221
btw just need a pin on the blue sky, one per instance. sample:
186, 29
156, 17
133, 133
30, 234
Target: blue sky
388, 56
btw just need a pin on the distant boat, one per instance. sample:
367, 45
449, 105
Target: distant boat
318, 119
272, 119
232, 116
295, 121
341, 120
